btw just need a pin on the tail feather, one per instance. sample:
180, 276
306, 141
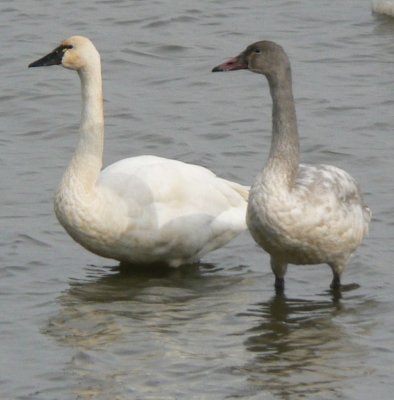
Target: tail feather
242, 190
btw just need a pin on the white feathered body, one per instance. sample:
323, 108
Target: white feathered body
149, 209
321, 219
142, 209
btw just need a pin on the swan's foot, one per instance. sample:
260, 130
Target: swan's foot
279, 284
336, 282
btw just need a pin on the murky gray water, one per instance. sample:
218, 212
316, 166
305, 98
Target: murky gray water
72, 326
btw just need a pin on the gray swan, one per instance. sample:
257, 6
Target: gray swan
298, 213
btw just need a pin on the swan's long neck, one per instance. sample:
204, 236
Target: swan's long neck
284, 153
85, 166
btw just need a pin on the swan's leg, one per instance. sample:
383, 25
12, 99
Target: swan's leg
336, 272
279, 284
336, 281
279, 269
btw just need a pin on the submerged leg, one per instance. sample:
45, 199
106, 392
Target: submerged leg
279, 269
336, 281
279, 284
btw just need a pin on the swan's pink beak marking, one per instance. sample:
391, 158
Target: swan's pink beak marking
231, 65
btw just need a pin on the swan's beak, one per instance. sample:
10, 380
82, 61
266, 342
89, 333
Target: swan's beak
231, 65
53, 58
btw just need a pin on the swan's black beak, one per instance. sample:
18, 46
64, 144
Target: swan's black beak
232, 65
53, 58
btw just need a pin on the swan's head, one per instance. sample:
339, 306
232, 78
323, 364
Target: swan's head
76, 52
263, 57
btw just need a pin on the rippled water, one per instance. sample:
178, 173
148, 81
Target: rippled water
75, 326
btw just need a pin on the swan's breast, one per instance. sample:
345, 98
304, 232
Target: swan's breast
96, 220
321, 218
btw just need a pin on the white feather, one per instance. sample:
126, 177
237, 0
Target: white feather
144, 209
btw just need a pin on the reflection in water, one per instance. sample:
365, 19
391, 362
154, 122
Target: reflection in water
300, 352
135, 333
141, 334
90, 309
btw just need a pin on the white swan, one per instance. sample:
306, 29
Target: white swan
298, 213
383, 7
143, 209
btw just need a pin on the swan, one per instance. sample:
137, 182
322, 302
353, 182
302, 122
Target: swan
139, 210
298, 213
383, 7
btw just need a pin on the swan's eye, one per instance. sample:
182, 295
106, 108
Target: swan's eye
257, 51
66, 47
